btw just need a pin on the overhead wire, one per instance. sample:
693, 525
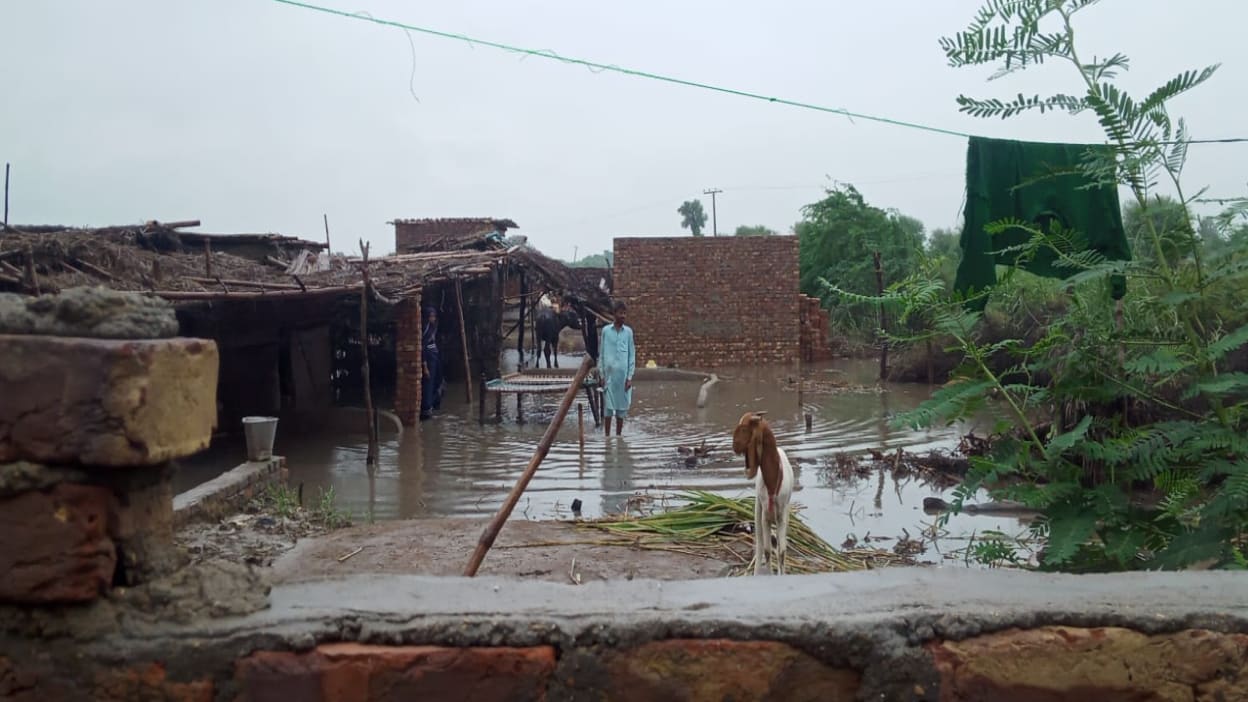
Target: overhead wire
597, 67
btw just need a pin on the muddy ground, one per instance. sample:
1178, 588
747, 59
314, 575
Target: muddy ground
297, 548
554, 551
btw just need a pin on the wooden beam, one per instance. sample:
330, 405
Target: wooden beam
463, 338
543, 447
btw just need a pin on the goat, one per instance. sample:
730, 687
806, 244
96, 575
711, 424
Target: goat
768, 466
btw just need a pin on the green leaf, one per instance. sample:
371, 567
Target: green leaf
1225, 384
1192, 547
1228, 343
1064, 442
1069, 528
1123, 545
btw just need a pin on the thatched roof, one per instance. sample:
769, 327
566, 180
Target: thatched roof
157, 258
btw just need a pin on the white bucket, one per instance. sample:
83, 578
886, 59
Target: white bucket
260, 433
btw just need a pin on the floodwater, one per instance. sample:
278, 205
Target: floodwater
454, 466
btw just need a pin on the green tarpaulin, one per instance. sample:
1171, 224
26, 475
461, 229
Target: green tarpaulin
1037, 183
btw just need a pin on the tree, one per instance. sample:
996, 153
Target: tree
602, 260
757, 230
1165, 216
839, 235
694, 216
944, 249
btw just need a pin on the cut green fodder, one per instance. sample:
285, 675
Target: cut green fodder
720, 528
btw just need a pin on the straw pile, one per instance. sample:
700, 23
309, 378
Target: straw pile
718, 527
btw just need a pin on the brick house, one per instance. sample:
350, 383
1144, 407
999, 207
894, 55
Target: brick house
709, 302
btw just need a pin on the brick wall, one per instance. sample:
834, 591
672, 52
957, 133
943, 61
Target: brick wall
816, 322
407, 351
708, 302
449, 234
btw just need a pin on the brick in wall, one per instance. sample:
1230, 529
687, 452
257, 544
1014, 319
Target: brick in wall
709, 302
408, 361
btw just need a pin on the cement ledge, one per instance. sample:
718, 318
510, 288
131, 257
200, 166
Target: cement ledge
881, 624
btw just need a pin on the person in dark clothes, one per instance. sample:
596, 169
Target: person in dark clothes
433, 385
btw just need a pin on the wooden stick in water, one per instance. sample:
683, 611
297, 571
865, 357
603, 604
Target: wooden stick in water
580, 423
463, 337
370, 460
496, 524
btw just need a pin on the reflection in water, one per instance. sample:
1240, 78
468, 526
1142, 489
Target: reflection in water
451, 465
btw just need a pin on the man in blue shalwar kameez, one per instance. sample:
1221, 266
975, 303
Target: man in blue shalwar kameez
617, 359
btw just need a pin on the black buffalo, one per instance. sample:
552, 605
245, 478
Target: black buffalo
549, 323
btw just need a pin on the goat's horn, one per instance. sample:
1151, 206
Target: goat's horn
759, 414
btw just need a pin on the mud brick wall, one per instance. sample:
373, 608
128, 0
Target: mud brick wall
709, 302
407, 349
437, 233
816, 322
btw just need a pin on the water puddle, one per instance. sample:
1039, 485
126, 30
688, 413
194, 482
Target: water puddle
453, 466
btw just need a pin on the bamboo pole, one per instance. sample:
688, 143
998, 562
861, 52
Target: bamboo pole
371, 458
463, 338
879, 286
496, 524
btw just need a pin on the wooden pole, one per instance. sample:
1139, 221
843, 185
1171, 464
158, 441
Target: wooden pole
481, 404
6, 197
879, 286
496, 524
326, 217
32, 278
371, 458
580, 424
207, 258
524, 303
463, 338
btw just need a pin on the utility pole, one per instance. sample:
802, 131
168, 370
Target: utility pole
6, 198
714, 220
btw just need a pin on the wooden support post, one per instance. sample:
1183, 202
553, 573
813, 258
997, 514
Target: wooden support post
524, 303
496, 524
580, 424
481, 403
498, 407
32, 278
207, 258
371, 458
6, 197
463, 338
809, 422
519, 408
326, 217
879, 287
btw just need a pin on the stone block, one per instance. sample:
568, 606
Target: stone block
704, 670
54, 545
105, 402
1106, 664
366, 673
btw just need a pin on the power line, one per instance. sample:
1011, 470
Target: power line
600, 67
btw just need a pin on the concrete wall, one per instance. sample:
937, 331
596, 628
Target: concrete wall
708, 302
892, 634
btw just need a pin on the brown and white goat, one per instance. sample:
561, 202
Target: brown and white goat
768, 466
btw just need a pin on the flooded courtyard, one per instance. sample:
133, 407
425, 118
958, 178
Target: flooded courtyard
453, 466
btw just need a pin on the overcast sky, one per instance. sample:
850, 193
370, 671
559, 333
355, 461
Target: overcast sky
255, 116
